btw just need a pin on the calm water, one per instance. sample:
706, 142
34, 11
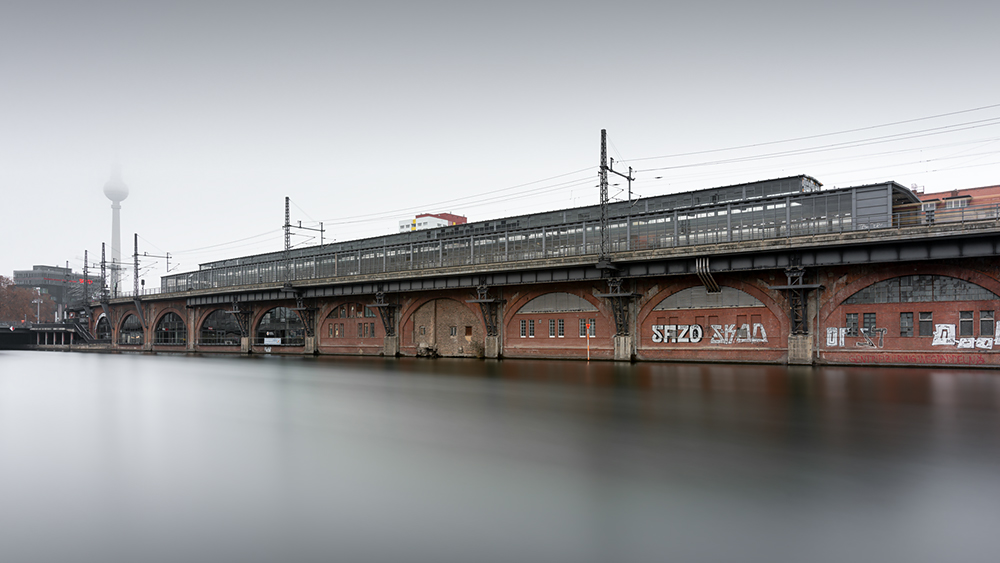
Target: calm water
153, 458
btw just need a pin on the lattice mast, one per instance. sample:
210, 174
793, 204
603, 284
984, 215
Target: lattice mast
86, 281
104, 276
135, 258
288, 240
603, 177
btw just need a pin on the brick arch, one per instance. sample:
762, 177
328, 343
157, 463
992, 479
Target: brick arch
325, 310
770, 304
442, 343
117, 329
406, 313
514, 306
833, 302
124, 317
259, 314
203, 315
159, 317
97, 321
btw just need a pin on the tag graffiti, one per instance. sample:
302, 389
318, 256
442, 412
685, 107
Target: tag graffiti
945, 335
721, 334
678, 333
870, 338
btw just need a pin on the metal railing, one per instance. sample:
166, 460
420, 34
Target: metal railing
651, 231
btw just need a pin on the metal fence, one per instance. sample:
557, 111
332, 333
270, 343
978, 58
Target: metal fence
814, 214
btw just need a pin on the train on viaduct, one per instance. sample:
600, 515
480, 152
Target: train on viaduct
778, 271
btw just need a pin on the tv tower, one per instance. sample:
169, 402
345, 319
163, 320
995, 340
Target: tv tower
116, 190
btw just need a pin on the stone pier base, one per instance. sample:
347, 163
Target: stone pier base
390, 346
623, 348
492, 347
800, 349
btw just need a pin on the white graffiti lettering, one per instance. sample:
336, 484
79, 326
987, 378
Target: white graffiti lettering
718, 338
835, 336
684, 334
984, 343
944, 335
759, 334
696, 333
868, 342
682, 331
966, 343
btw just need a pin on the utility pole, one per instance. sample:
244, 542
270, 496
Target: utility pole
288, 241
604, 261
288, 237
86, 282
135, 259
628, 224
104, 277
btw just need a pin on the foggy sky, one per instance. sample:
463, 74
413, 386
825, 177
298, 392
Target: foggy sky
368, 113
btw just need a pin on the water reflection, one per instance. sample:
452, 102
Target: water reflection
143, 458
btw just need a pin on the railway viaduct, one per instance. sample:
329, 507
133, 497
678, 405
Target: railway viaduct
778, 300
771, 278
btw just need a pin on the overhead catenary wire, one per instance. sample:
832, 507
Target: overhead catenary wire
844, 145
821, 135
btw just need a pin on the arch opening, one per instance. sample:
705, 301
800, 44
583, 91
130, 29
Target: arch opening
131, 331
170, 331
220, 329
103, 329
280, 326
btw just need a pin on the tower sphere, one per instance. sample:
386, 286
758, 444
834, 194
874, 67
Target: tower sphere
115, 189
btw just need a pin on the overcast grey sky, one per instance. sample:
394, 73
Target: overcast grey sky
365, 113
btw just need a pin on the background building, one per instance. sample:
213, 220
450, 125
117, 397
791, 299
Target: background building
431, 221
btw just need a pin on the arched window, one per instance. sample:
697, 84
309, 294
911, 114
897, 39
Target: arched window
131, 332
103, 328
917, 289
170, 330
557, 303
699, 298
280, 326
220, 329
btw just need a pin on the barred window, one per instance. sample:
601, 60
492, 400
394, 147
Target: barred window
531, 328
851, 324
926, 324
583, 328
906, 324
552, 328
986, 323
524, 325
965, 323
868, 323
562, 328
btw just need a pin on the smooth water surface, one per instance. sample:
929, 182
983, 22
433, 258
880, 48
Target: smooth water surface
157, 458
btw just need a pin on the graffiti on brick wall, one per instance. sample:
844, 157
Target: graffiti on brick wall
721, 334
944, 335
870, 337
